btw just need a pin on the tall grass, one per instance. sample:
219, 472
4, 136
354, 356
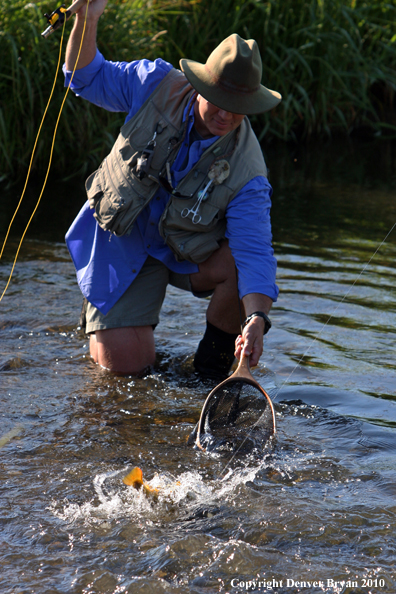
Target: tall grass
334, 62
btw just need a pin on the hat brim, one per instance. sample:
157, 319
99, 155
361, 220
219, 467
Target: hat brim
234, 101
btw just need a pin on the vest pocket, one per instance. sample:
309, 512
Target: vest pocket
132, 145
191, 241
186, 213
116, 209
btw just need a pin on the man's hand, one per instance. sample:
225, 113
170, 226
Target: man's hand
95, 10
250, 343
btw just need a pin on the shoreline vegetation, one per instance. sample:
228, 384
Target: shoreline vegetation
334, 62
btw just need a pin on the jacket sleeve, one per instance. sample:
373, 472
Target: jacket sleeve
117, 86
250, 238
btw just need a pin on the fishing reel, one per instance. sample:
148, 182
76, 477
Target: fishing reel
57, 18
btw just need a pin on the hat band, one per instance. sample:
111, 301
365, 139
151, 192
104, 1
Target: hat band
230, 86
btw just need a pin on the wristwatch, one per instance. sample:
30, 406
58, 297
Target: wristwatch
260, 314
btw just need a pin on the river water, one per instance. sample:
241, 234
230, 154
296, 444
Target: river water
315, 514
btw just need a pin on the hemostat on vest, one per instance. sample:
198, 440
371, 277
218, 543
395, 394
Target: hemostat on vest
218, 173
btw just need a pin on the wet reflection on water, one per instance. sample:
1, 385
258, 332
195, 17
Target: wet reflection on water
319, 506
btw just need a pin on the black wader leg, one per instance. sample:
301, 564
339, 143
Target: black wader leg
215, 353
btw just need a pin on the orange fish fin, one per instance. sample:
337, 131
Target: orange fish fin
134, 478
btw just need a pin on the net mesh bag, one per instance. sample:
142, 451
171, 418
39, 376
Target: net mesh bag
237, 417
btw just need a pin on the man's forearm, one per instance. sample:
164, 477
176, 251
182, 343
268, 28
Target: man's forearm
256, 302
88, 49
95, 9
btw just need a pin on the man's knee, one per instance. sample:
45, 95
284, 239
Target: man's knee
124, 350
222, 259
218, 268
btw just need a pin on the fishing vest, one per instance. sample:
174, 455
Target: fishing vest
147, 145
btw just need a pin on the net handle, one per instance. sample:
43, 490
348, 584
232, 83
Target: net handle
243, 369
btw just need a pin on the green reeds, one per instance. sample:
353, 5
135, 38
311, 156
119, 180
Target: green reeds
334, 62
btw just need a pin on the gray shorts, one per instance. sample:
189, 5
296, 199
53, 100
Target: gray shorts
141, 303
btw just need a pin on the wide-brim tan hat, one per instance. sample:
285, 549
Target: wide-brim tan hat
231, 77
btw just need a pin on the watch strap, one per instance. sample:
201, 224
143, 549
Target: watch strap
260, 314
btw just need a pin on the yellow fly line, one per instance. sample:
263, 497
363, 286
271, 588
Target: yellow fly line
34, 150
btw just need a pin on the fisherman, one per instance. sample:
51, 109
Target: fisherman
182, 198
